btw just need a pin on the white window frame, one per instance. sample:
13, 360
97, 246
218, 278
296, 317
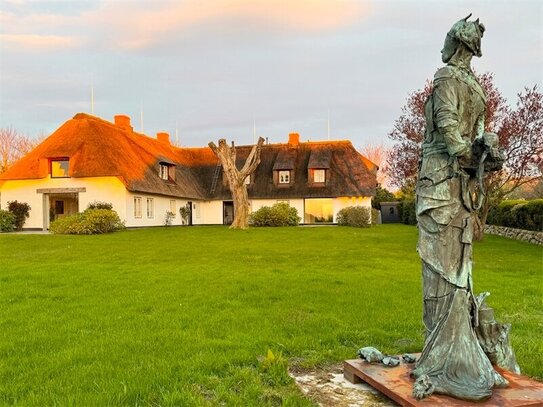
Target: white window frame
173, 207
284, 176
137, 207
319, 176
163, 172
150, 208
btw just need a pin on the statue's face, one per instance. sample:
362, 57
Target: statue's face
449, 48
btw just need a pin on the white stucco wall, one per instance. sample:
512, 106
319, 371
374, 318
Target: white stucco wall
107, 189
160, 204
207, 213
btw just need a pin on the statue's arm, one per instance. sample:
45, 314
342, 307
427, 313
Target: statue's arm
446, 100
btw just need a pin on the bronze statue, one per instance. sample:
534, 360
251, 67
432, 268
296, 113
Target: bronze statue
456, 153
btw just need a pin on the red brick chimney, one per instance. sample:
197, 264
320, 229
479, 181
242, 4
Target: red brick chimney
163, 137
123, 121
294, 139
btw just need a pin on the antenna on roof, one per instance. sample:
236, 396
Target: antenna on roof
141, 117
176, 134
92, 97
254, 131
328, 124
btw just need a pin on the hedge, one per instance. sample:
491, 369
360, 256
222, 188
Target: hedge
519, 214
357, 216
90, 222
280, 214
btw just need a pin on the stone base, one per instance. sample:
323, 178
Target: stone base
395, 383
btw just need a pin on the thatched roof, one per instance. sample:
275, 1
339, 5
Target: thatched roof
98, 148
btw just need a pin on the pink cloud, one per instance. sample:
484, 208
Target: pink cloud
138, 25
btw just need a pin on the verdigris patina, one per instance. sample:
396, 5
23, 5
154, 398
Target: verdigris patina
456, 153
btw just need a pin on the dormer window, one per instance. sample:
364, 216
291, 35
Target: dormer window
166, 172
319, 176
60, 167
284, 177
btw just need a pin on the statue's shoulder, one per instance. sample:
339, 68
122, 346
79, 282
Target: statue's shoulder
447, 72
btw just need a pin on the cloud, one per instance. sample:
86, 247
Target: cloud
137, 25
36, 42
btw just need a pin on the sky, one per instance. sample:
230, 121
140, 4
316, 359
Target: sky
210, 69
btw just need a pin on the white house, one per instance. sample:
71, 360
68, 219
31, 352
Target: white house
90, 159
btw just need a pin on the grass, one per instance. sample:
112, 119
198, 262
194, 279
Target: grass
186, 316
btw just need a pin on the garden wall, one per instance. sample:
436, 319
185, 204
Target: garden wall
517, 234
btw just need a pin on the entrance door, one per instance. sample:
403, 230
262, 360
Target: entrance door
228, 212
189, 220
61, 205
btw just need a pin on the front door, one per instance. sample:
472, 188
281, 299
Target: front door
61, 205
228, 212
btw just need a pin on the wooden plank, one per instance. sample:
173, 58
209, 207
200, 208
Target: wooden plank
396, 384
60, 190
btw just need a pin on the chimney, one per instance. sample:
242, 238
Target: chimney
294, 139
123, 121
163, 137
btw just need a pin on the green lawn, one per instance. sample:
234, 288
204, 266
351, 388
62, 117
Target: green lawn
183, 316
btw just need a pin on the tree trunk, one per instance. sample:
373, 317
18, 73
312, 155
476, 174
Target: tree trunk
236, 178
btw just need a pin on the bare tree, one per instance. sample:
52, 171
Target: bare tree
236, 178
13, 146
377, 153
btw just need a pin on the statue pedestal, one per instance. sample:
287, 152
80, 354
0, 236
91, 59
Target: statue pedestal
395, 383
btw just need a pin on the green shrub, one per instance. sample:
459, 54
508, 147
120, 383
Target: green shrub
358, 216
374, 216
168, 219
91, 221
21, 211
519, 214
407, 211
280, 214
7, 221
100, 205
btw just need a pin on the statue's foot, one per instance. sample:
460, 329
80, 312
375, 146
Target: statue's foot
500, 382
423, 387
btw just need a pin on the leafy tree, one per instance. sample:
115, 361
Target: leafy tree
382, 195
520, 131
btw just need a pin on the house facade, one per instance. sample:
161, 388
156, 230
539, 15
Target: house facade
89, 159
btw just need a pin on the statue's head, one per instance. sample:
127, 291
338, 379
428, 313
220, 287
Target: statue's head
464, 32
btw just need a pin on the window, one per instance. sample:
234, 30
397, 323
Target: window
59, 168
319, 210
319, 176
196, 208
284, 177
163, 171
166, 172
173, 207
248, 180
59, 207
150, 213
137, 207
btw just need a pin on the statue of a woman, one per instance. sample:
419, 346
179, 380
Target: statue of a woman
452, 362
